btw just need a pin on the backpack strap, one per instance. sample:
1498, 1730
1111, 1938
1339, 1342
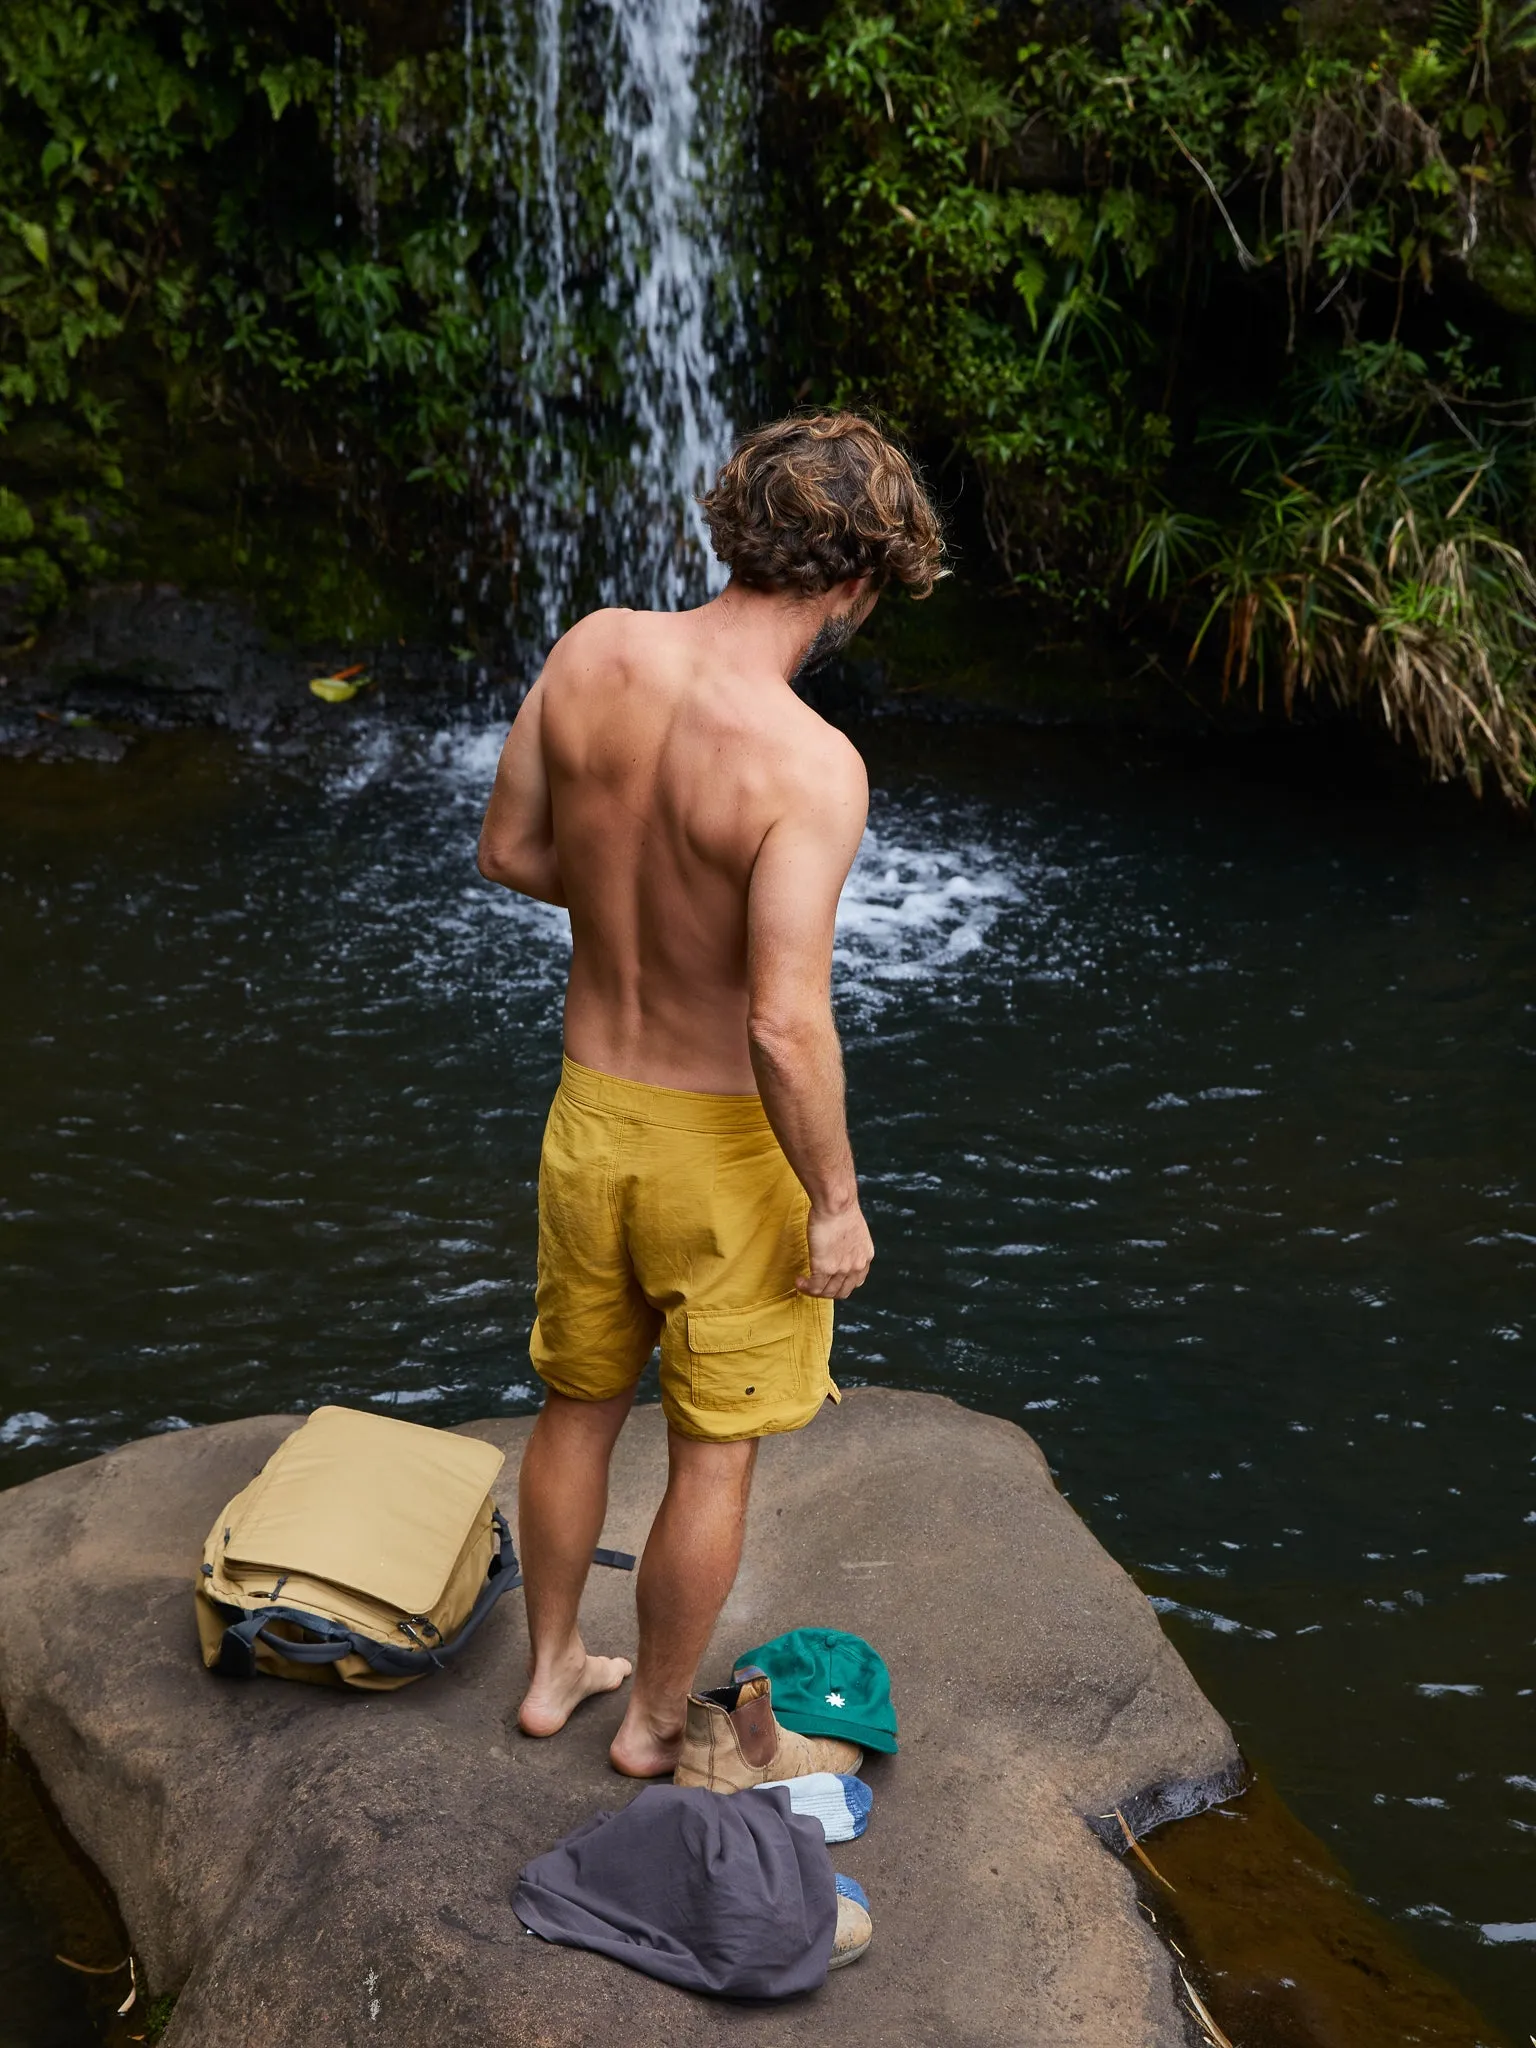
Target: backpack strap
237, 1647
617, 1560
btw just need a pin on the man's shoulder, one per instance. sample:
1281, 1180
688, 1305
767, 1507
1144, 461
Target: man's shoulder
818, 765
616, 645
599, 636
817, 740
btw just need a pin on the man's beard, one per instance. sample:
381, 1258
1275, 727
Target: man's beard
832, 636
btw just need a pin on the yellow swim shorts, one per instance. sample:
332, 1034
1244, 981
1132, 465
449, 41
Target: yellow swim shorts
674, 1216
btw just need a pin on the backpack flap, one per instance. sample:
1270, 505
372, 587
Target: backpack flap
380, 1507
365, 1552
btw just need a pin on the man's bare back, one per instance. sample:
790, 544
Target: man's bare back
678, 763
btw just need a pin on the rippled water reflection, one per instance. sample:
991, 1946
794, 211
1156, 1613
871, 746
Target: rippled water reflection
1195, 1122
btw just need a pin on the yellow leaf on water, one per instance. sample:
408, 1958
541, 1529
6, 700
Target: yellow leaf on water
333, 689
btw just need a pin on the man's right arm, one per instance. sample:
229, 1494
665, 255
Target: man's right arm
791, 913
517, 839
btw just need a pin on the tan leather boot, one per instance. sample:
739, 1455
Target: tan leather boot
731, 1740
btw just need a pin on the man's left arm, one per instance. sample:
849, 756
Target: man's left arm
517, 840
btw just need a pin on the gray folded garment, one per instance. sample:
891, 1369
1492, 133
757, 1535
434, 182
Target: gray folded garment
702, 1889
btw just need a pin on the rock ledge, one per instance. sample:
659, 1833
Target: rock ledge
308, 1865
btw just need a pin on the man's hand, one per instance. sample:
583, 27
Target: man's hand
841, 1250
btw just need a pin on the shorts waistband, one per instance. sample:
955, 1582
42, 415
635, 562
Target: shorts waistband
676, 1109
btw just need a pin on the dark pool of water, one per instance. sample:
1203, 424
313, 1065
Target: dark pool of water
1195, 1120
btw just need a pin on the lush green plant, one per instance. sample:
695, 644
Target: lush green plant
1366, 561
158, 2017
269, 232
1224, 335
1087, 267
975, 307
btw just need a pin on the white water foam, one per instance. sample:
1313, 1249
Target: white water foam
466, 756
464, 936
370, 751
1205, 1617
920, 907
27, 1427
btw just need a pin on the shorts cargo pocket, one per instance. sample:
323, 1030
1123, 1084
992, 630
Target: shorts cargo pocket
748, 1362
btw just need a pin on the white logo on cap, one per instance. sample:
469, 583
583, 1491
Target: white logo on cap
835, 1699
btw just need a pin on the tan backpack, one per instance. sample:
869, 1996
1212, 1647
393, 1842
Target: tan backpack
365, 1552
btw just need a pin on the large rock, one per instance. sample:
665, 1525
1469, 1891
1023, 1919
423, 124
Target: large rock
128, 659
147, 657
311, 1865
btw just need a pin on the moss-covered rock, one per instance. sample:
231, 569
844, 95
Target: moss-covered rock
1505, 268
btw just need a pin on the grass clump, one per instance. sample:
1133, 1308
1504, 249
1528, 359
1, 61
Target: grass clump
1364, 561
158, 2016
1228, 331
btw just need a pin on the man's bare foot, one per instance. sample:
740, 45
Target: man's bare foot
639, 1750
554, 1695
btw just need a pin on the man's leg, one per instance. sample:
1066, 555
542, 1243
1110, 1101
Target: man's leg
562, 1497
689, 1566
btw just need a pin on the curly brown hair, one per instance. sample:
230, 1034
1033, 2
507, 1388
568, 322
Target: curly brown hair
812, 500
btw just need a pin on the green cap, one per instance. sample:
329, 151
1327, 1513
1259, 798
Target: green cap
828, 1683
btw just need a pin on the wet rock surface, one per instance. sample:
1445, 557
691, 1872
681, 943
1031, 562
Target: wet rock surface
142, 658
306, 1864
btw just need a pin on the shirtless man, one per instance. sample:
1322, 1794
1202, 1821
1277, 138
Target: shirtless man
664, 782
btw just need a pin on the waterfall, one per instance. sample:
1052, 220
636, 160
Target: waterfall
615, 317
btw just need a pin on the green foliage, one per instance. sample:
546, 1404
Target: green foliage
159, 2016
1218, 333
1364, 564
971, 308
267, 232
1084, 271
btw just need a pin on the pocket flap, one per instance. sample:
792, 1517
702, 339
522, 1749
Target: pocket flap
713, 1331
